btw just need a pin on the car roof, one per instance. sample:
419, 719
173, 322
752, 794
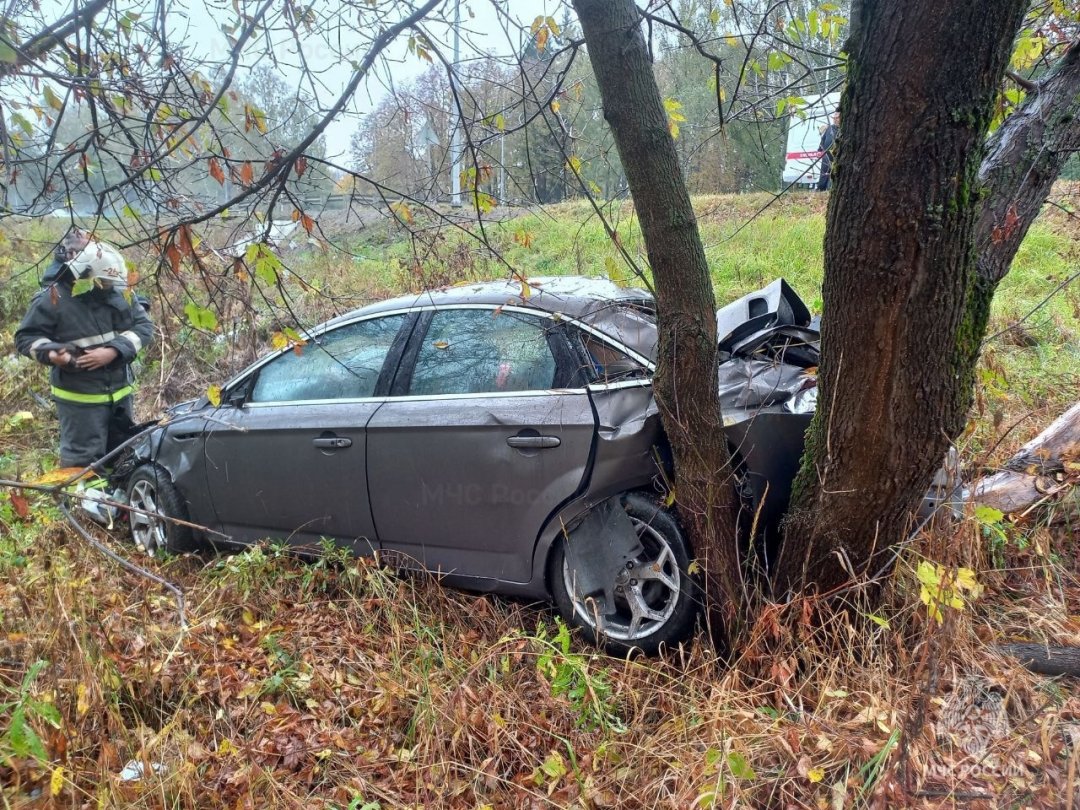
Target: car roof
574, 296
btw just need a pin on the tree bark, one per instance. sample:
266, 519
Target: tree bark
904, 315
1044, 659
685, 383
1027, 476
1024, 157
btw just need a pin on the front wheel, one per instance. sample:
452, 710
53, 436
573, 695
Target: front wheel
152, 492
655, 598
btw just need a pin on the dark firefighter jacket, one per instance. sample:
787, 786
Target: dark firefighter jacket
95, 318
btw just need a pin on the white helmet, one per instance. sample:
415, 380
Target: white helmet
99, 260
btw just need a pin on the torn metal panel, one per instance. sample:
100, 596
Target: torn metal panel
794, 345
629, 438
751, 384
774, 305
599, 548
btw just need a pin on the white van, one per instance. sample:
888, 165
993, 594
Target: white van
803, 163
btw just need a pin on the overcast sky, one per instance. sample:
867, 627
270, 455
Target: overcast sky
482, 31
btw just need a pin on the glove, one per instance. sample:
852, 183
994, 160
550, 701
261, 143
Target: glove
42, 352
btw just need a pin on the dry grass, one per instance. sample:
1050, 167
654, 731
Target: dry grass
336, 684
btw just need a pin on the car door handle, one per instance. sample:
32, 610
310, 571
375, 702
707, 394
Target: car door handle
332, 443
534, 442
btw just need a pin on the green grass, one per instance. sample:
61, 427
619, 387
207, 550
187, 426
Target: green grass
744, 252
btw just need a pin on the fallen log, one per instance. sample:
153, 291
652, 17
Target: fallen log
1043, 471
1044, 659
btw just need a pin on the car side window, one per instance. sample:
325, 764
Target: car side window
607, 363
344, 363
474, 351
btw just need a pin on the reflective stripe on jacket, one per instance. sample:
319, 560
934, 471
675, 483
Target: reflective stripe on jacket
91, 320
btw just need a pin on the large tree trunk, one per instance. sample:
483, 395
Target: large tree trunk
903, 312
686, 375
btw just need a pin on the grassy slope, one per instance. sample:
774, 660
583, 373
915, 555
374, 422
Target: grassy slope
314, 686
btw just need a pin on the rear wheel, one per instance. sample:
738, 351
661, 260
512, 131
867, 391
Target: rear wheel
655, 598
152, 492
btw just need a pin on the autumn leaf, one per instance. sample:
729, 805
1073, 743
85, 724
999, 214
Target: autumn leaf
526, 290
186, 240
213, 393
254, 118
247, 174
56, 781
20, 504
300, 166
216, 172
673, 107
52, 99
402, 212
60, 475
307, 222
172, 255
553, 767
484, 202
82, 701
1007, 228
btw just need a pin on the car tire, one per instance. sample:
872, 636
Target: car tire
150, 488
669, 593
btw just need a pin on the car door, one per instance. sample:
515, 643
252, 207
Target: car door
290, 462
489, 431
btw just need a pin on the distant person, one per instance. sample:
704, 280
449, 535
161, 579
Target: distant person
828, 150
89, 341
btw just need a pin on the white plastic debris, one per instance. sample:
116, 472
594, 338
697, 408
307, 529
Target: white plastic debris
134, 770
91, 501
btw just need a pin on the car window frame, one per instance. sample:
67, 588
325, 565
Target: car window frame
576, 334
238, 390
555, 333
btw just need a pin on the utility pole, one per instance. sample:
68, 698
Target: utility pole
502, 169
455, 137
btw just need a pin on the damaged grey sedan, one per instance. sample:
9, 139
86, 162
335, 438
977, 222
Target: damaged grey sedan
504, 437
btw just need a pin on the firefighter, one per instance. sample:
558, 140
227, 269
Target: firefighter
89, 339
